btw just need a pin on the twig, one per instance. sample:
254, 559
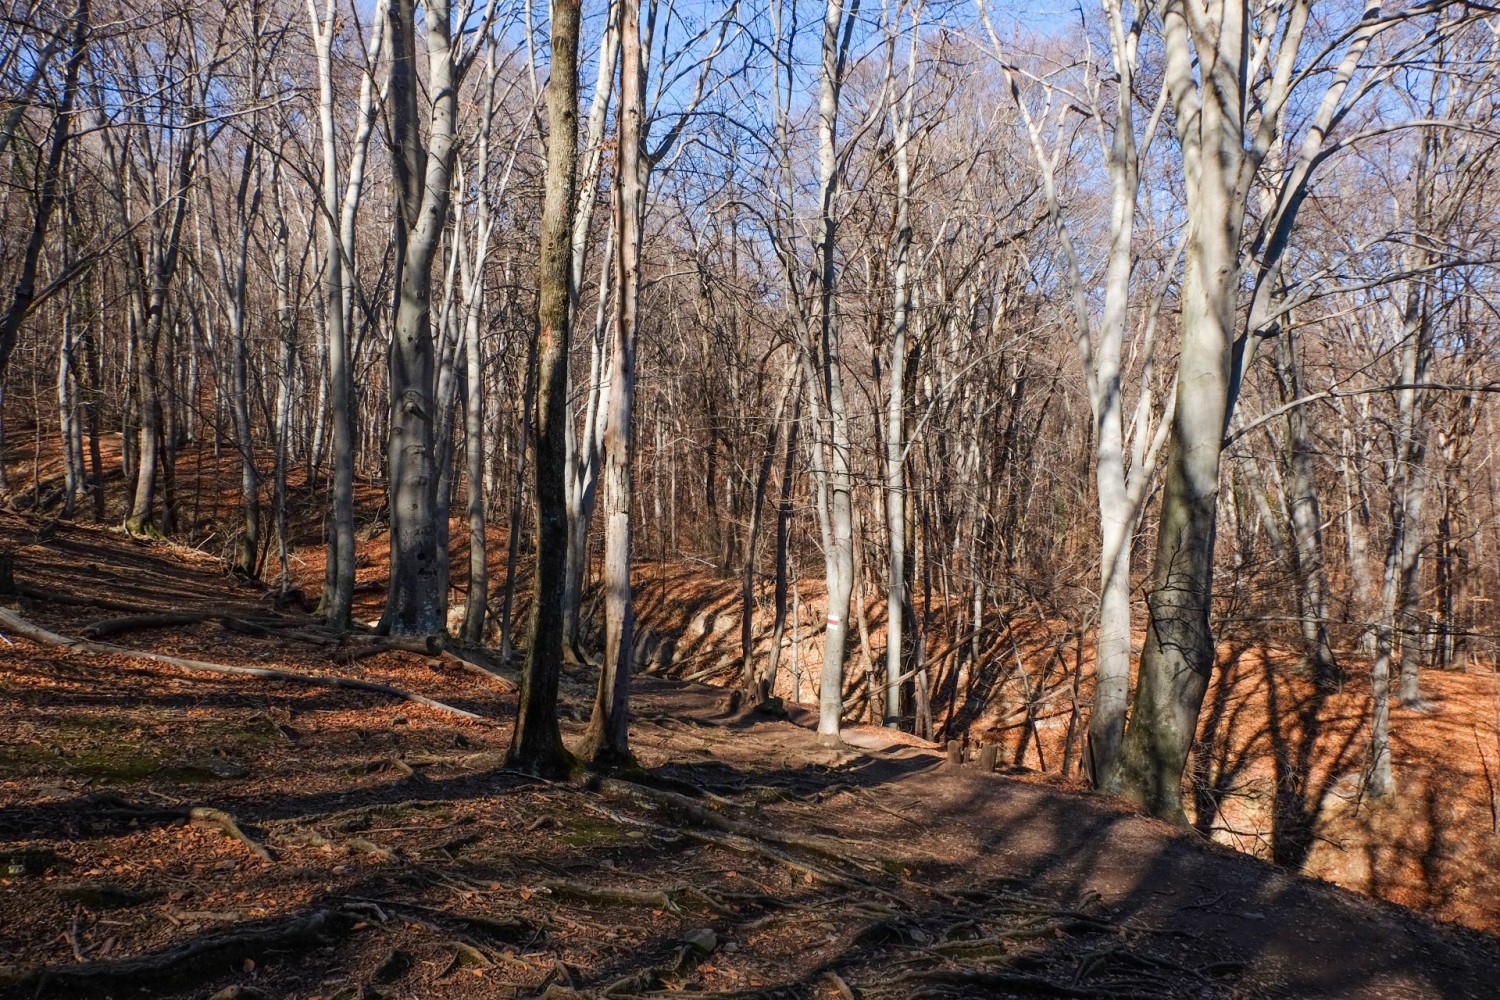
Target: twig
74, 942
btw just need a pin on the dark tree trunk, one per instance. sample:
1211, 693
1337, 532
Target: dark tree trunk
536, 743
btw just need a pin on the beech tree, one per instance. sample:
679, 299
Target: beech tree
1229, 114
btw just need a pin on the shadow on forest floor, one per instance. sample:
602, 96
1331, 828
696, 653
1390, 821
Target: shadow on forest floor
404, 861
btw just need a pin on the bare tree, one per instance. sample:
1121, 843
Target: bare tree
536, 744
340, 207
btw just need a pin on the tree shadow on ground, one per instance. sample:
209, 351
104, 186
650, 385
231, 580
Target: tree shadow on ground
947, 882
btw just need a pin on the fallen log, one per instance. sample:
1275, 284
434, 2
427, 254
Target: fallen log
26, 630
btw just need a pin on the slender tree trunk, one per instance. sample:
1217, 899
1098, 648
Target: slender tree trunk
1305, 517
607, 741
472, 629
48, 195
750, 673
767, 680
836, 492
339, 211
896, 596
536, 743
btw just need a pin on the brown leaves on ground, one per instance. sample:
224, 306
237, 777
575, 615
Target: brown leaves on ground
402, 860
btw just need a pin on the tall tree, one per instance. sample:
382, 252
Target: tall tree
339, 208
424, 172
1231, 72
49, 190
607, 741
536, 743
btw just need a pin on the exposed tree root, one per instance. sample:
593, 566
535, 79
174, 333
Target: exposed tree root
205, 815
117, 808
130, 623
992, 982
26, 630
747, 845
470, 658
828, 847
661, 899
219, 949
344, 816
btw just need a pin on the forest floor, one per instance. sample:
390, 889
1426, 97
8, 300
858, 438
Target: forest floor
169, 832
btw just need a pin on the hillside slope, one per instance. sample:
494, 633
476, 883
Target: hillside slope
400, 859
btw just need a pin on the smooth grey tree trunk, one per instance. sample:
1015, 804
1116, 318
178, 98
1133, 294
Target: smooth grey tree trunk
606, 743
163, 266
339, 210
831, 441
1304, 515
897, 597
418, 587
1210, 53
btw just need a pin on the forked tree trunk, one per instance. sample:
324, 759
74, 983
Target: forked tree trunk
339, 211
1178, 658
418, 587
1210, 52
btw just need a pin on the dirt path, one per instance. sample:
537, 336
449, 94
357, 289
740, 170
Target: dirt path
401, 861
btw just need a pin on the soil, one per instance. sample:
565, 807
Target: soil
402, 859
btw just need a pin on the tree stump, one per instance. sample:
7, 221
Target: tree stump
955, 752
987, 758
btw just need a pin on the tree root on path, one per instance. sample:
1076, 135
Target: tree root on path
828, 847
26, 630
992, 982
208, 954
117, 808
748, 845
206, 816
661, 899
471, 658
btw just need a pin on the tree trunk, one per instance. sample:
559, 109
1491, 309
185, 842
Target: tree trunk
767, 680
414, 604
536, 744
1178, 658
750, 673
896, 595
339, 210
1305, 518
833, 455
48, 195
607, 741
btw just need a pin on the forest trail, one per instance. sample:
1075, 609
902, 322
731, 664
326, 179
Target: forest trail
402, 861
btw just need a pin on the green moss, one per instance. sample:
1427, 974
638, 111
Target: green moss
580, 831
